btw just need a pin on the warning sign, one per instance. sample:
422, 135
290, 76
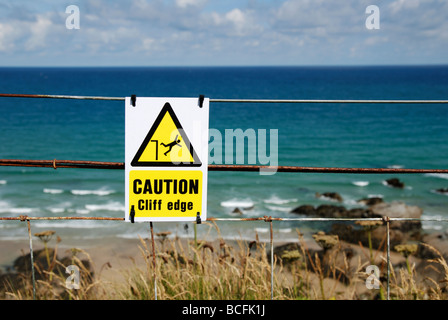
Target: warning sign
166, 143
166, 157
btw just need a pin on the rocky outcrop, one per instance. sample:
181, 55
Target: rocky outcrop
399, 210
395, 183
330, 195
332, 211
18, 278
436, 245
306, 209
370, 201
400, 231
442, 190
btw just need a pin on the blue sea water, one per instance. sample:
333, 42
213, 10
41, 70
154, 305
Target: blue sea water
328, 135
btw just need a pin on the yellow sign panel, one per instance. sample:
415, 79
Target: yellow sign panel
166, 194
166, 144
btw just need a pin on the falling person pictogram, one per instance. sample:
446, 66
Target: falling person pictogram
151, 151
171, 145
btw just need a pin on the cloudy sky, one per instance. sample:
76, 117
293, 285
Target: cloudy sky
222, 32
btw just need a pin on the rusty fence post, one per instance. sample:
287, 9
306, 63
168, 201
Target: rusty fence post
25, 218
272, 262
387, 220
154, 259
271, 231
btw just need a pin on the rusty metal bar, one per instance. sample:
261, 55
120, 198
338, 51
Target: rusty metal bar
329, 101
81, 164
63, 218
368, 101
21, 218
322, 169
55, 164
50, 96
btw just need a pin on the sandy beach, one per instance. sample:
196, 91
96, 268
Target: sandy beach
111, 255
119, 253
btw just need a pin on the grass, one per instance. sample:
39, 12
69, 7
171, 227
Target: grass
202, 270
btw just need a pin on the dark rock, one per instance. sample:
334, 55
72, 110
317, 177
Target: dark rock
237, 210
395, 183
19, 279
353, 234
22, 264
432, 244
306, 209
442, 190
331, 211
400, 231
371, 201
399, 210
330, 195
360, 213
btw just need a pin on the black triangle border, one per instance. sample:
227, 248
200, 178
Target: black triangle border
136, 163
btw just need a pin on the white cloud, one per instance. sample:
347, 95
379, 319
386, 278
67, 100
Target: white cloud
148, 44
400, 5
194, 31
38, 33
236, 22
6, 38
193, 3
375, 40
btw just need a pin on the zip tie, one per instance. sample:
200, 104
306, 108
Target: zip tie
133, 100
54, 164
132, 214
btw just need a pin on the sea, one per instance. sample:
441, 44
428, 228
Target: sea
309, 134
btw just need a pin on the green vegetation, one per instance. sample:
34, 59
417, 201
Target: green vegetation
203, 270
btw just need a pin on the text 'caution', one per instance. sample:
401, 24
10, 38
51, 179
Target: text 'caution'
165, 193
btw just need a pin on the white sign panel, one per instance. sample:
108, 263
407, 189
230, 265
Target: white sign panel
166, 159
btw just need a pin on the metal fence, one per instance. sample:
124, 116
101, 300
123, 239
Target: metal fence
55, 164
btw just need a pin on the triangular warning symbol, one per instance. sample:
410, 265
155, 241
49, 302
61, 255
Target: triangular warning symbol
166, 144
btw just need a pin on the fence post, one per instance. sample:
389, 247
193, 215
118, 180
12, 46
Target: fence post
269, 219
272, 262
387, 220
23, 218
154, 260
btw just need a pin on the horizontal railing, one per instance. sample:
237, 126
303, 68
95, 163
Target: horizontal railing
214, 167
369, 101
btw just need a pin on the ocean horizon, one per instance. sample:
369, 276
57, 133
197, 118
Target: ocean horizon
315, 135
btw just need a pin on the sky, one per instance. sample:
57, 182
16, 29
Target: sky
223, 33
